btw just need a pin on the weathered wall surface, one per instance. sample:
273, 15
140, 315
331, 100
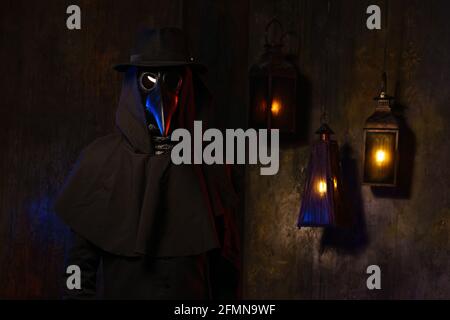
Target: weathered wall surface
405, 232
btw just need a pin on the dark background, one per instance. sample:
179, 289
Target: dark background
58, 93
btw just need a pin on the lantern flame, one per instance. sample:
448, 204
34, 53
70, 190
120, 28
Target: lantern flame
380, 157
276, 107
322, 187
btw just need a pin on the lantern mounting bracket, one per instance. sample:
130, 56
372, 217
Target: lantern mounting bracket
383, 93
278, 43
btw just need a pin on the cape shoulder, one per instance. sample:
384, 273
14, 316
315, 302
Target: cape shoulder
98, 151
82, 180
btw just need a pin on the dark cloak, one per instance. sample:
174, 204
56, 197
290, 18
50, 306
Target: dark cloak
129, 202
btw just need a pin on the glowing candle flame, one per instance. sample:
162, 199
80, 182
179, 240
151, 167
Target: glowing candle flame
276, 107
322, 187
380, 157
335, 183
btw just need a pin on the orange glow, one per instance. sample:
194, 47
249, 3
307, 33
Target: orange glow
381, 157
322, 187
276, 107
335, 183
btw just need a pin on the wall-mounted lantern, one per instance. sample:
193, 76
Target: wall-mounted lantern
321, 202
381, 143
273, 88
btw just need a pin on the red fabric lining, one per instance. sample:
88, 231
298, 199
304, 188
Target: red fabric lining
187, 113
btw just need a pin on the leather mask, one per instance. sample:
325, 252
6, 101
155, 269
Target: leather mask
160, 91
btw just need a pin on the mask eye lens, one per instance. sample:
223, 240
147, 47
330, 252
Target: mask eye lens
172, 80
147, 81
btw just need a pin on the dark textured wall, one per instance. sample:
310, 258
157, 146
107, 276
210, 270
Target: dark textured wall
59, 93
404, 231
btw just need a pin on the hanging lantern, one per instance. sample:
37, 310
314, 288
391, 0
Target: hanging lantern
321, 197
273, 89
381, 143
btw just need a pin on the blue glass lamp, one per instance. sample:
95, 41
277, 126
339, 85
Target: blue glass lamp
321, 204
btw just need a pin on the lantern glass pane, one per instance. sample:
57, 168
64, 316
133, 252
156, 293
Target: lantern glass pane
318, 208
283, 104
258, 101
380, 157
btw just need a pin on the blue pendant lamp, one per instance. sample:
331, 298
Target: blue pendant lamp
321, 203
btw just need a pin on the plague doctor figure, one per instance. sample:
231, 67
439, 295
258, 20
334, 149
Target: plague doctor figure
149, 228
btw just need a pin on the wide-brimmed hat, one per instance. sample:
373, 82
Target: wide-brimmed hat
165, 47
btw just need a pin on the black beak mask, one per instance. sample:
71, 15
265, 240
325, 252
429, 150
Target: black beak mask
160, 90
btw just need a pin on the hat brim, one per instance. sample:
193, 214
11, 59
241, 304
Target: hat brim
197, 66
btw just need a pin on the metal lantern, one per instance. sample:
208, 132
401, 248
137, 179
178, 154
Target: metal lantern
273, 89
381, 143
321, 204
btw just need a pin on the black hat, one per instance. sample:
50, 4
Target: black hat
163, 47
